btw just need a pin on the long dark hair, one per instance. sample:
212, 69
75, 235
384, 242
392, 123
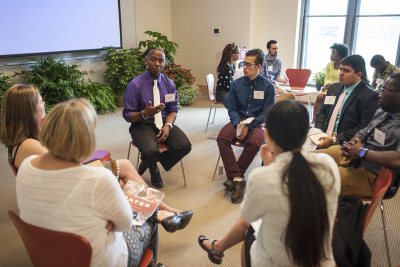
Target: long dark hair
226, 55
308, 225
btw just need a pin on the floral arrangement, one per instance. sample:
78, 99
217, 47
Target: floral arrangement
179, 75
184, 82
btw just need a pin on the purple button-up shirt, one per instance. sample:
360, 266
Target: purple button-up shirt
140, 92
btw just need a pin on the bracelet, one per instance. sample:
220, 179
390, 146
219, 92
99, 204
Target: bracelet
169, 124
118, 169
141, 113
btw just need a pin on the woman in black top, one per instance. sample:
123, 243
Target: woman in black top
226, 69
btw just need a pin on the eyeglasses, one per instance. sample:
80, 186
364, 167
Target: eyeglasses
248, 64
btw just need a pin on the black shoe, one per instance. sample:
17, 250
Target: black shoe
238, 191
142, 168
228, 185
172, 223
185, 216
156, 180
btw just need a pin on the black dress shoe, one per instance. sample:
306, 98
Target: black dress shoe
238, 191
142, 168
185, 216
171, 223
228, 185
156, 180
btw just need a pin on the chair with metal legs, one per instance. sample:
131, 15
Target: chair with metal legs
211, 97
235, 143
161, 148
386, 187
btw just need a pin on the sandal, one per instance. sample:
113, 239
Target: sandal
211, 252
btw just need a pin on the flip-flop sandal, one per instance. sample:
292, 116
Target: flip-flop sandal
211, 252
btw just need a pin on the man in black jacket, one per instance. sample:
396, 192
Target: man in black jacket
349, 105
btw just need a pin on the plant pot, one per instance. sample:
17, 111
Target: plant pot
120, 100
318, 86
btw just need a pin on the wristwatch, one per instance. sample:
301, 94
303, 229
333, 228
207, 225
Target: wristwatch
362, 153
170, 125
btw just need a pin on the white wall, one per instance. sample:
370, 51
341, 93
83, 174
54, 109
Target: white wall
192, 21
276, 20
152, 15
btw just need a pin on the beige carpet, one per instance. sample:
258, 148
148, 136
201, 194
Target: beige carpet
213, 211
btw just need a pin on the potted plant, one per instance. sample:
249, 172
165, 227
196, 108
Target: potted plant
184, 82
160, 41
122, 66
319, 79
5, 83
59, 81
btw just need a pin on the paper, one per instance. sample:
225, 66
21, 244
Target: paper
241, 125
315, 137
143, 200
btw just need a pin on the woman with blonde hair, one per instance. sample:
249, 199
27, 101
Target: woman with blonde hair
88, 200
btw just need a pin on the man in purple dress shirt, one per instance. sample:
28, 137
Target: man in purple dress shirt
141, 112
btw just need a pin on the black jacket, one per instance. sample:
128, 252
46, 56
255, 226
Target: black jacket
357, 111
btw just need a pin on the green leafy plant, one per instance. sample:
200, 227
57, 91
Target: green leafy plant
319, 79
160, 41
184, 82
122, 66
187, 94
101, 96
55, 78
5, 83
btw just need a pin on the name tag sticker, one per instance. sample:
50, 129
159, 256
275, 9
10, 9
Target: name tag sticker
258, 94
169, 98
329, 100
380, 81
379, 136
270, 68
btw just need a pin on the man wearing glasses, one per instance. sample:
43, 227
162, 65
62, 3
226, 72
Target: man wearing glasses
248, 100
375, 146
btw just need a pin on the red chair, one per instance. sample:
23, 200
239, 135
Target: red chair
298, 78
383, 182
48, 248
161, 148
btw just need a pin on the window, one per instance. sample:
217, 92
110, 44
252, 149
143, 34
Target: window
368, 27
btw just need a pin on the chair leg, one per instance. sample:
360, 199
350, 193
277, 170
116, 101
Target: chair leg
208, 120
215, 110
183, 174
129, 150
137, 160
385, 230
216, 166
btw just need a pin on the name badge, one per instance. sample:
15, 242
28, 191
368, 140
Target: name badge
380, 81
270, 68
258, 94
169, 98
329, 100
379, 136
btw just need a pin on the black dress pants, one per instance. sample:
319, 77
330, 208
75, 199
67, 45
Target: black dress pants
144, 136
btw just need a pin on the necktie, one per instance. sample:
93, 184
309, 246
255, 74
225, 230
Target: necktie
335, 113
156, 100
